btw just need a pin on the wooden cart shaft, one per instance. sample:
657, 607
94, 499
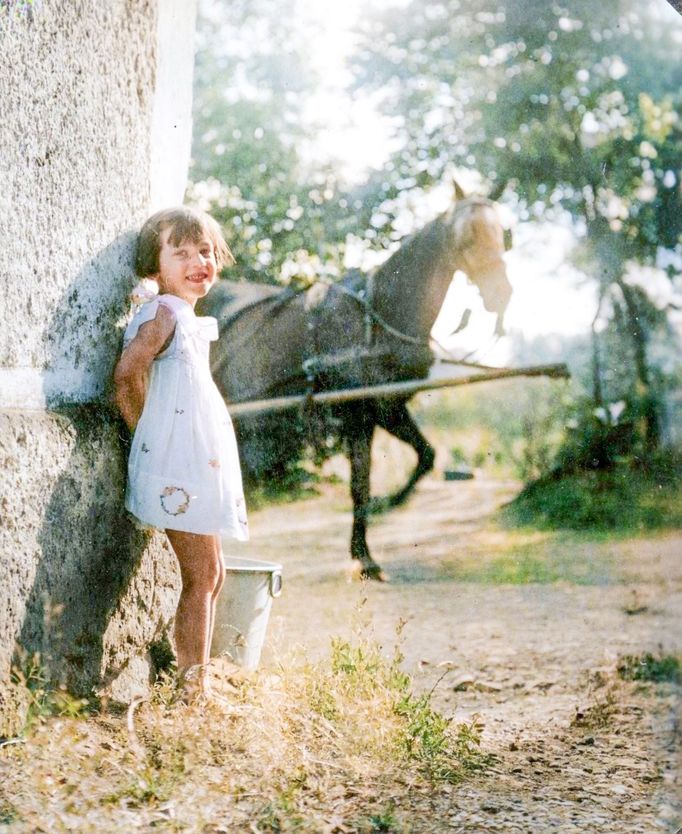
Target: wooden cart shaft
391, 389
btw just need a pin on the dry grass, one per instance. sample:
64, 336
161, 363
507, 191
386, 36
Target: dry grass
337, 746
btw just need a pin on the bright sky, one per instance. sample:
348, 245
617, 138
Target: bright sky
354, 133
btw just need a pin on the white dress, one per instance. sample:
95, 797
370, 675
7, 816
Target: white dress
183, 469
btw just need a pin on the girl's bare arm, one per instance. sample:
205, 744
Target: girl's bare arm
130, 374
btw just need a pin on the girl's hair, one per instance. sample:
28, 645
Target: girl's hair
185, 224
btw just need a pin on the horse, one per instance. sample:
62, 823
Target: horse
363, 330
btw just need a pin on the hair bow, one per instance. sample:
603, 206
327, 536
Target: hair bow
146, 290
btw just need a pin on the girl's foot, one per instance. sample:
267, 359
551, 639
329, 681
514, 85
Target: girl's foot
191, 684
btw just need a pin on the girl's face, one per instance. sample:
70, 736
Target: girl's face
188, 270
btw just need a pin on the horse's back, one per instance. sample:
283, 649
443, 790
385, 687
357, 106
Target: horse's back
228, 299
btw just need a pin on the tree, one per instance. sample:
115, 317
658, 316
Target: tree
251, 84
576, 107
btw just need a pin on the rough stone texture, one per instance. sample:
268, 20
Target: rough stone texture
81, 118
77, 88
85, 587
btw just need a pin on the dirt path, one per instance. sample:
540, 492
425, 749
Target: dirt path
524, 629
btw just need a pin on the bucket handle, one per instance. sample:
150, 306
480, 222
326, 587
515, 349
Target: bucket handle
275, 583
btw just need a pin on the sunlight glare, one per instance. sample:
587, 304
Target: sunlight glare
355, 133
548, 297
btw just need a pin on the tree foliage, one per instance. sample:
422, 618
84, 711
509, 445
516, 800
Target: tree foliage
252, 82
572, 109
575, 109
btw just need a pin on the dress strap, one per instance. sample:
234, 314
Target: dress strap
182, 310
208, 328
145, 313
204, 326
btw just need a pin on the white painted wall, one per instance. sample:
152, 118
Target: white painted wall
172, 111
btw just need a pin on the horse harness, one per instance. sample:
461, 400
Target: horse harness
316, 365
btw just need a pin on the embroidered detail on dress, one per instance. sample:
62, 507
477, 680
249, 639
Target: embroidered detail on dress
241, 511
174, 500
179, 410
215, 463
144, 448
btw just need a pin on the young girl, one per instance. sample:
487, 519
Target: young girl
183, 470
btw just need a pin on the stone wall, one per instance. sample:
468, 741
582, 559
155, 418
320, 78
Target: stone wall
95, 132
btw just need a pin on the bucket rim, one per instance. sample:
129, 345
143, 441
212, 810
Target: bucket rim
241, 564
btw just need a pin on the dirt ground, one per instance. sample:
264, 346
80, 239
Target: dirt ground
524, 629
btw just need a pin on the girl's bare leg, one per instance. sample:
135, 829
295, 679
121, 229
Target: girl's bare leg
202, 574
216, 591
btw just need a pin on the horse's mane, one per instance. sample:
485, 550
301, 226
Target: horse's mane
430, 242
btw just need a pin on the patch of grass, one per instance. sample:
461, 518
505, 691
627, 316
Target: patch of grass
384, 822
410, 731
8, 813
272, 751
649, 667
624, 499
148, 786
44, 699
538, 562
281, 814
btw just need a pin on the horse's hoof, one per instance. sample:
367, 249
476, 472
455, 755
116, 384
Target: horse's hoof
373, 571
376, 573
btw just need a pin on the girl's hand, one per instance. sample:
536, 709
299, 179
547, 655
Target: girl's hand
130, 374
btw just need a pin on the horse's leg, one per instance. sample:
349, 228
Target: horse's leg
393, 416
359, 428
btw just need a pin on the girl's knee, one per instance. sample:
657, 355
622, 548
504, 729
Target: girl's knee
203, 578
201, 564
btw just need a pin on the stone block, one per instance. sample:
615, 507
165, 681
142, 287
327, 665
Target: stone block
86, 587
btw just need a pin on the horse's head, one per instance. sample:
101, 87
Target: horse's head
478, 246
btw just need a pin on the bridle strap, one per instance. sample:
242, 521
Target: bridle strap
372, 317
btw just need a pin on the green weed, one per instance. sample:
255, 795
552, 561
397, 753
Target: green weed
649, 667
43, 698
281, 814
624, 499
421, 735
384, 822
8, 813
365, 668
148, 786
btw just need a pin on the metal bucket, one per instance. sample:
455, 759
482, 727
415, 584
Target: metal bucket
243, 609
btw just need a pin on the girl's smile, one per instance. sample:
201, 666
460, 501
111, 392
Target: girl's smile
188, 270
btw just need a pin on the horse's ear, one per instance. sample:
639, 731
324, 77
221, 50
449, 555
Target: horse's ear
459, 191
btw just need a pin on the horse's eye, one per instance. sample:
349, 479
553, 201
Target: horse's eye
507, 240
